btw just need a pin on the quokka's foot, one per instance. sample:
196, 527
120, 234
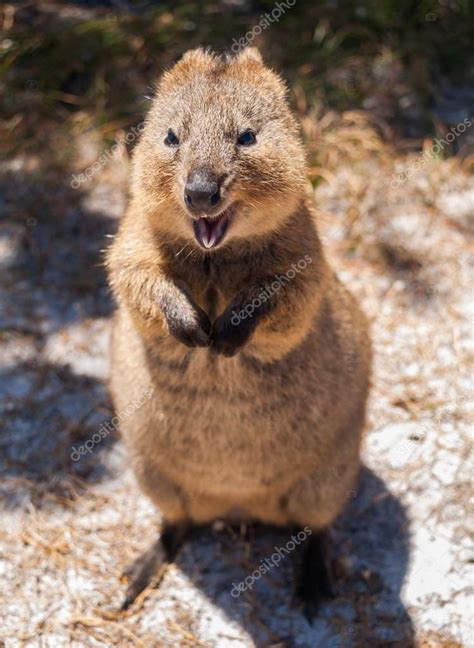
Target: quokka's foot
315, 581
144, 568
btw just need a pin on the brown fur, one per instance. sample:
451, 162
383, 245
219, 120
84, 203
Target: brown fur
273, 432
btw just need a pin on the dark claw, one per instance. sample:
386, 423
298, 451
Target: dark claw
310, 611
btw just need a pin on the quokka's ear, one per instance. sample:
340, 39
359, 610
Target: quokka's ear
192, 61
198, 56
249, 54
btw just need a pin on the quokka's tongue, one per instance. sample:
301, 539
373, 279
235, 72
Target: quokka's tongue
209, 232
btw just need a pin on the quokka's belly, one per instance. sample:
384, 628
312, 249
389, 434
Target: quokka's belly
224, 444
233, 431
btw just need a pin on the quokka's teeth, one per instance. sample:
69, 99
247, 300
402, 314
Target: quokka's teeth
203, 232
209, 233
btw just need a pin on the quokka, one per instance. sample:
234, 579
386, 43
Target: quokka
260, 416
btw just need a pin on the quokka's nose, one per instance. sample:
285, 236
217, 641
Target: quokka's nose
202, 191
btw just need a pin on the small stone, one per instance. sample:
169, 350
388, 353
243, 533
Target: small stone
373, 581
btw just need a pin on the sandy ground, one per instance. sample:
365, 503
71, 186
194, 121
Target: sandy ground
70, 524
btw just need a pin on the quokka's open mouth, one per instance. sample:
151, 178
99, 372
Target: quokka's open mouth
211, 230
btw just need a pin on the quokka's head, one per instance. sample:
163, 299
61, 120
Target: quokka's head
220, 157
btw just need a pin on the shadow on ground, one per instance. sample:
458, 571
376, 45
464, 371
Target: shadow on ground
371, 554
53, 328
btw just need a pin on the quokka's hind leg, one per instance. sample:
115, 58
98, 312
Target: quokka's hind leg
315, 580
165, 495
314, 504
142, 570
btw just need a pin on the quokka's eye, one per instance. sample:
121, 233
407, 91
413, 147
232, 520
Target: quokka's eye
247, 138
171, 139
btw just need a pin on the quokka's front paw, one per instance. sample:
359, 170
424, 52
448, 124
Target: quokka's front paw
229, 334
233, 329
191, 327
186, 321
